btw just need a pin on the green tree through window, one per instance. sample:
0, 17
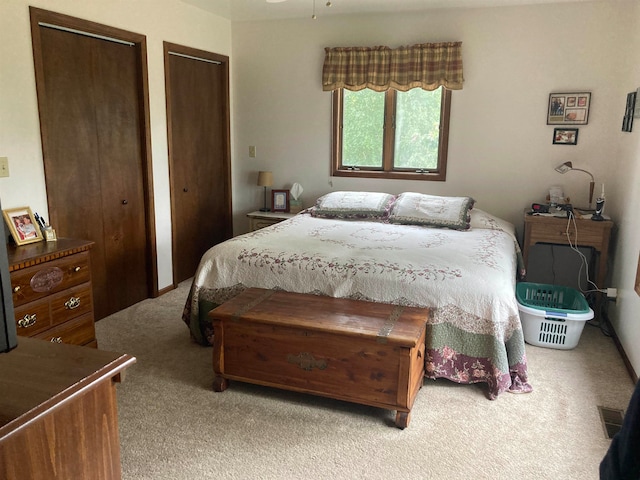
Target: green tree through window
391, 134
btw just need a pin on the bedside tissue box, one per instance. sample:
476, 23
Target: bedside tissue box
295, 206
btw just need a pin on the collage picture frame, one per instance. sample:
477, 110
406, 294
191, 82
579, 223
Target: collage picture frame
569, 108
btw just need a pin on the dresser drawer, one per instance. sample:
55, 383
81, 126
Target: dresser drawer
79, 331
71, 303
39, 281
33, 318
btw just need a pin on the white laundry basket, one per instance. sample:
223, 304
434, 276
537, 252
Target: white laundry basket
552, 316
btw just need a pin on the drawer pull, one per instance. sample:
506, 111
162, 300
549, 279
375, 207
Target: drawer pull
76, 269
27, 321
16, 289
56, 340
73, 302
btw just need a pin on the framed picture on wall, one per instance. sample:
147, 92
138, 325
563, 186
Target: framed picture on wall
568, 108
627, 120
565, 136
280, 200
22, 225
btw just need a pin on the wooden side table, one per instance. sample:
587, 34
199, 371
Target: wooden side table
58, 411
258, 219
553, 230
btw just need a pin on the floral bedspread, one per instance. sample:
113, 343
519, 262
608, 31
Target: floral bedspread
466, 279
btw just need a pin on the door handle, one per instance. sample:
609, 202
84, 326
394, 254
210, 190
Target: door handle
124, 202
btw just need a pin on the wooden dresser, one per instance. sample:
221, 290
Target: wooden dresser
52, 297
58, 412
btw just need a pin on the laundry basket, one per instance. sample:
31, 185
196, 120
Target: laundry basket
552, 316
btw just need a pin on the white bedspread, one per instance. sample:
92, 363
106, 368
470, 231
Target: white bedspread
467, 278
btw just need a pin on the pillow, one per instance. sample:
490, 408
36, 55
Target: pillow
432, 210
353, 205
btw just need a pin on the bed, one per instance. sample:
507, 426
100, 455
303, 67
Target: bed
412, 249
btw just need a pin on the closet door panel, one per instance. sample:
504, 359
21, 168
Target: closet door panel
119, 155
199, 160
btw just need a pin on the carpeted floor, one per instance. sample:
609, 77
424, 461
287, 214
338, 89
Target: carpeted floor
173, 426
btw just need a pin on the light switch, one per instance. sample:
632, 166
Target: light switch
252, 151
4, 166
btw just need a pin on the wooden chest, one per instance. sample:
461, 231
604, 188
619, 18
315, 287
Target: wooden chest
363, 352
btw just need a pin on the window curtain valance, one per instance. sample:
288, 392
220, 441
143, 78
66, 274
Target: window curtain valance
426, 65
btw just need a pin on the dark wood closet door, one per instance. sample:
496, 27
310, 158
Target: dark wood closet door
198, 122
92, 145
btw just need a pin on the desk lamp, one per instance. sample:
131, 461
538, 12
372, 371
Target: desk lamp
566, 166
265, 179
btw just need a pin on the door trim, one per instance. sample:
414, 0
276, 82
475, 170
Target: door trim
181, 50
139, 43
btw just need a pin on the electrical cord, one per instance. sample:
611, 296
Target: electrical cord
603, 323
584, 262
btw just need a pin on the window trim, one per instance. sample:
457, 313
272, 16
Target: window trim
338, 170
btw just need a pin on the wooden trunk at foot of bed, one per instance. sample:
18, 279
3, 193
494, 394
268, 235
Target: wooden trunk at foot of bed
362, 352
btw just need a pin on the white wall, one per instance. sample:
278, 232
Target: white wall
159, 20
500, 148
625, 313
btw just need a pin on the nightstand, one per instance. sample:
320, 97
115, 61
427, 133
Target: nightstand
553, 230
258, 219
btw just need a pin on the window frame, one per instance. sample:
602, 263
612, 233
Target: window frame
387, 171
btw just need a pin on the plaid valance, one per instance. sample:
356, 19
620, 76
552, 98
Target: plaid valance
426, 65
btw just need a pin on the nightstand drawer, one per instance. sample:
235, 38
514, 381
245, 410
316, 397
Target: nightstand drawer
556, 232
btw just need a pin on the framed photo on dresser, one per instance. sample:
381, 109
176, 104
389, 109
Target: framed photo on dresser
22, 225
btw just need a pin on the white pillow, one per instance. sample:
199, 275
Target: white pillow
353, 205
420, 209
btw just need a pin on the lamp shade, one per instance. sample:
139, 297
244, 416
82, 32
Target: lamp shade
265, 179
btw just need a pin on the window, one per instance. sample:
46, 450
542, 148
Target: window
392, 134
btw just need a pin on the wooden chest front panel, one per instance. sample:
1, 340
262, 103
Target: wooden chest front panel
314, 362
312, 345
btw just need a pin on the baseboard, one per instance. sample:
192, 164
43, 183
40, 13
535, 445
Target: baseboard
623, 354
166, 290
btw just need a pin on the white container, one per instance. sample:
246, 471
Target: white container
552, 329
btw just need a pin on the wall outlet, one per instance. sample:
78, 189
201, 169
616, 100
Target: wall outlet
4, 166
252, 151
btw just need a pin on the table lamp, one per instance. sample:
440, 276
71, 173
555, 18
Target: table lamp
566, 166
265, 179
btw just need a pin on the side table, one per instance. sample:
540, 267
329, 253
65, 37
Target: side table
583, 233
258, 219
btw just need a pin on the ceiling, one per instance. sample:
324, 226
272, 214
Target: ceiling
242, 10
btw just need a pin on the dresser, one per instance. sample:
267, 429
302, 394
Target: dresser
258, 220
51, 285
58, 412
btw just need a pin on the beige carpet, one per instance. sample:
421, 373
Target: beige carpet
173, 426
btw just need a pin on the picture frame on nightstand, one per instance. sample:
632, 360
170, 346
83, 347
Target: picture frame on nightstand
279, 200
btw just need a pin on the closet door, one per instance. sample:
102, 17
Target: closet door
199, 158
92, 123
